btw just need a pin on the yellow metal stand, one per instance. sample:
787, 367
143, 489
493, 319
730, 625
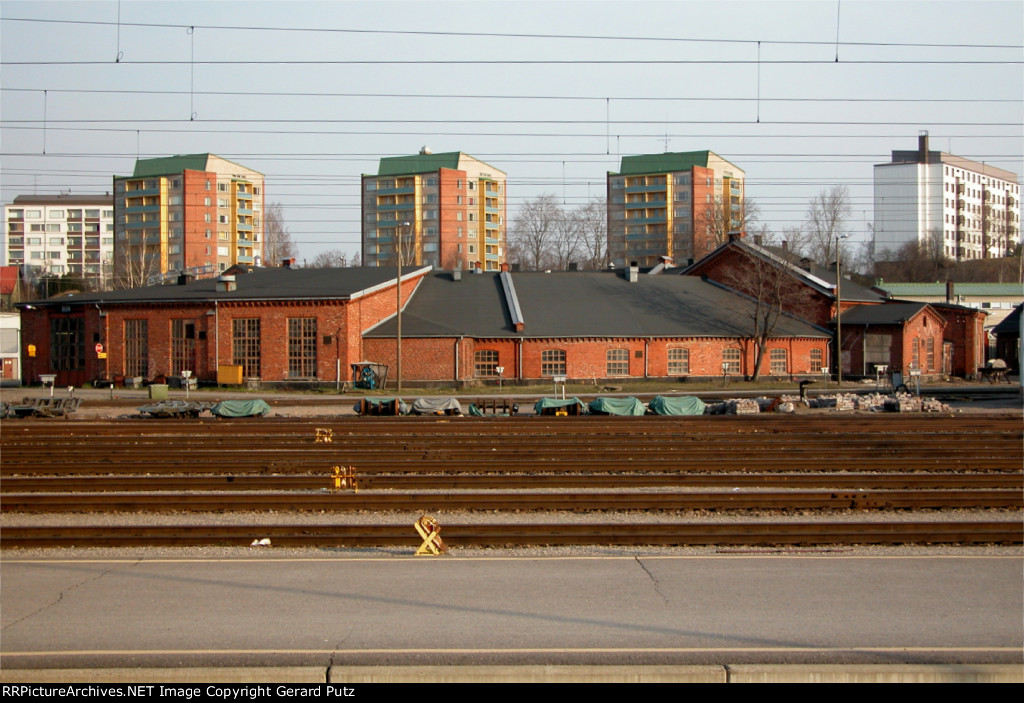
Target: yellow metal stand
344, 477
430, 531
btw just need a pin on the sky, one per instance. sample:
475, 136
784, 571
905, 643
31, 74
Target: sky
800, 95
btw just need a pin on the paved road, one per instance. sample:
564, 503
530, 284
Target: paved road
647, 609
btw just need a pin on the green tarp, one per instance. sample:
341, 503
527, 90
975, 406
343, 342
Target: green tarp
548, 406
685, 405
240, 408
617, 406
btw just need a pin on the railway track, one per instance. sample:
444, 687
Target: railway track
816, 464
511, 481
499, 535
517, 501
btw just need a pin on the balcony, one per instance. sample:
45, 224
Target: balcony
396, 207
659, 203
244, 227
655, 188
655, 219
404, 190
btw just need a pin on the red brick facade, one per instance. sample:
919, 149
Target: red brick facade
206, 337
435, 359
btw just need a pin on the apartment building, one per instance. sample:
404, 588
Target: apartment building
960, 208
61, 235
196, 213
681, 205
448, 210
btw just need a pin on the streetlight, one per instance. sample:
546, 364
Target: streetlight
398, 306
839, 311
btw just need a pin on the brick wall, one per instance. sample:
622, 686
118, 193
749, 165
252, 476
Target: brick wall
434, 359
339, 328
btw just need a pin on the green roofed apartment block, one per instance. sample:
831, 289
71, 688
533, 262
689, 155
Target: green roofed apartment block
679, 205
196, 214
445, 210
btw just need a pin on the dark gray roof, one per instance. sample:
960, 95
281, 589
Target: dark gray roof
889, 314
580, 304
261, 284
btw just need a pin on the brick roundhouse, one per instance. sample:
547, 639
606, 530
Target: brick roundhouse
310, 325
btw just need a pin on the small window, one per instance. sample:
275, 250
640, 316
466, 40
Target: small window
486, 362
552, 361
617, 362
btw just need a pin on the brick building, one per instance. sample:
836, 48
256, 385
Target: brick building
306, 324
937, 339
585, 325
277, 324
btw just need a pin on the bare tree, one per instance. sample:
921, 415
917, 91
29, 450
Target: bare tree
566, 244
593, 219
827, 225
330, 259
532, 231
718, 220
277, 239
921, 261
136, 262
766, 277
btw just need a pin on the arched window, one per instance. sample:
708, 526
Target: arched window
777, 362
730, 361
815, 361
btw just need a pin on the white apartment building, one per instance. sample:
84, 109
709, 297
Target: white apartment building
61, 235
970, 209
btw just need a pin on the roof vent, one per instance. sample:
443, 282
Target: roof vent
226, 284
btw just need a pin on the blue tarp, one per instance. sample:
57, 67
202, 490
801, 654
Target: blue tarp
684, 405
